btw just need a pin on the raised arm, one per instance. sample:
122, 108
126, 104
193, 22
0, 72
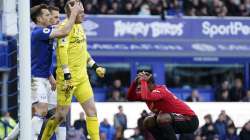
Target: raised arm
62, 52
65, 30
132, 95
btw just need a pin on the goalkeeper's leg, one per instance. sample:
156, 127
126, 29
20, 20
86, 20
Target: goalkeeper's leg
91, 119
53, 122
88, 105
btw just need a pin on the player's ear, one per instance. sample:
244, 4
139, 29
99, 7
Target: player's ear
39, 19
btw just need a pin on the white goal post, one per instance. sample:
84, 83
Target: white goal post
24, 69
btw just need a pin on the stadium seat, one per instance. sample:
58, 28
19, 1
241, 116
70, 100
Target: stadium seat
100, 94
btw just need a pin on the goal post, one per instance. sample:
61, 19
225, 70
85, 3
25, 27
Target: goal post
24, 69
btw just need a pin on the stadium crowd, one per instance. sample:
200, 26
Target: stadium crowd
163, 7
226, 92
222, 128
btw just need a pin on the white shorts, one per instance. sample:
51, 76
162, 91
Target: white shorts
41, 92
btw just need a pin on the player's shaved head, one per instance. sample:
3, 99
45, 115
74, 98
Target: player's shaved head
36, 11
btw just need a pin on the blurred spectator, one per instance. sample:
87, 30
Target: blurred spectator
128, 8
237, 92
174, 8
156, 7
219, 91
60, 4
80, 124
194, 97
221, 126
137, 135
243, 10
117, 86
120, 123
231, 133
208, 130
107, 131
224, 96
103, 8
115, 8
144, 132
116, 97
233, 7
89, 8
73, 134
247, 97
160, 7
245, 132
144, 10
7, 123
228, 120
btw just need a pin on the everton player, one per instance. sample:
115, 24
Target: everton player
171, 115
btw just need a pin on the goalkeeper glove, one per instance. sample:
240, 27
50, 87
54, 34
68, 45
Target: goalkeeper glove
67, 80
100, 71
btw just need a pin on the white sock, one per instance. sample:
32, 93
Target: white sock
61, 133
37, 123
14, 133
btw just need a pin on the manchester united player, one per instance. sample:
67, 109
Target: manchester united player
171, 115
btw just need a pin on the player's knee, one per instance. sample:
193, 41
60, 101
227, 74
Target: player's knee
89, 108
41, 109
164, 118
91, 112
61, 114
149, 122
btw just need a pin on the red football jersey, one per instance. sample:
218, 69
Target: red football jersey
159, 100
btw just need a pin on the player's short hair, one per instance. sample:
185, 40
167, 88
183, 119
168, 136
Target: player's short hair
53, 8
36, 11
151, 80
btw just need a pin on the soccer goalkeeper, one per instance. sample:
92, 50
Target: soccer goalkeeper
72, 78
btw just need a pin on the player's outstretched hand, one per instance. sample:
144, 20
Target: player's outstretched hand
100, 71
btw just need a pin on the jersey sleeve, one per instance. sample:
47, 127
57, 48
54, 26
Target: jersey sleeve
42, 33
148, 95
132, 95
88, 55
62, 50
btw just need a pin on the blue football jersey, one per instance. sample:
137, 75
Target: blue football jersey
41, 52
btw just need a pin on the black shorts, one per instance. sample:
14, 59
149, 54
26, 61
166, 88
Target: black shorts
184, 123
